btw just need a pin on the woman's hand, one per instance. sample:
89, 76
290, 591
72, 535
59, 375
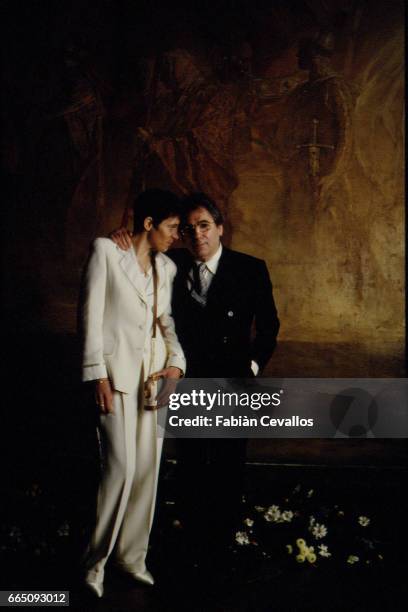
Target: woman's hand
122, 237
172, 375
104, 395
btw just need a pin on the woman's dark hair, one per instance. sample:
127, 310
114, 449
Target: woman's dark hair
157, 204
201, 200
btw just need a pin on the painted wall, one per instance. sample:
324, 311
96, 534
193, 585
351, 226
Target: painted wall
89, 118
337, 261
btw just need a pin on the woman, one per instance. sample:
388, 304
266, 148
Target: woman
124, 290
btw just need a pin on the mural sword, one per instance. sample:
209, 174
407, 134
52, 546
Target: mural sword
314, 148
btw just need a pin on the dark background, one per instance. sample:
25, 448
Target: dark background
72, 73
56, 199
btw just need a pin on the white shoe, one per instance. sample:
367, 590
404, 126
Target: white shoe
144, 577
141, 576
94, 583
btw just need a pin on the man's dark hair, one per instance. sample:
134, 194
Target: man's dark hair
201, 200
157, 204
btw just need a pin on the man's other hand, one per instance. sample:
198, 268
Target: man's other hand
122, 237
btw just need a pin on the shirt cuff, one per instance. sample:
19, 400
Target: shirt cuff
174, 361
93, 372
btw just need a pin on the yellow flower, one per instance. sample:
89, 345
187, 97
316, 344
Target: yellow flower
311, 557
300, 558
289, 548
301, 543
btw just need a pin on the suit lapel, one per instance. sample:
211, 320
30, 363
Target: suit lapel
161, 264
130, 267
162, 295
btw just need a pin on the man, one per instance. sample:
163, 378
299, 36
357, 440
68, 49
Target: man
218, 295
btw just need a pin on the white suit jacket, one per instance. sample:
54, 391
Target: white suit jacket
115, 316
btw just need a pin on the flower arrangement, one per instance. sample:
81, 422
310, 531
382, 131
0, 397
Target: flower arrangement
310, 532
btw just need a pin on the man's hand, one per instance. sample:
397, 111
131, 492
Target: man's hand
172, 375
104, 396
122, 237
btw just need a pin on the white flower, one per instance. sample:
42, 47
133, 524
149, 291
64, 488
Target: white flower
352, 559
319, 531
260, 508
310, 493
63, 530
324, 551
270, 518
241, 537
273, 514
287, 516
312, 521
249, 522
364, 521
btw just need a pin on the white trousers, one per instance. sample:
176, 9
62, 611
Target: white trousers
131, 451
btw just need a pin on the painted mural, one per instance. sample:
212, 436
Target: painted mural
289, 115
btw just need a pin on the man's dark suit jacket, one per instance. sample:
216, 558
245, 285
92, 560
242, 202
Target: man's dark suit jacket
239, 323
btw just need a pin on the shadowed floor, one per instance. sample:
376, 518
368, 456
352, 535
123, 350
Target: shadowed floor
260, 576
49, 471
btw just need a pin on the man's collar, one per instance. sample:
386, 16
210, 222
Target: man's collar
212, 263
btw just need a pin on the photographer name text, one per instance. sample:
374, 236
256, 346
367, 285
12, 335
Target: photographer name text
238, 421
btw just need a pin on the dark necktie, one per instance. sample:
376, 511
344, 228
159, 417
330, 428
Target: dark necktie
196, 279
200, 283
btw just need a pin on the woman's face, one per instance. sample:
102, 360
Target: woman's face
164, 235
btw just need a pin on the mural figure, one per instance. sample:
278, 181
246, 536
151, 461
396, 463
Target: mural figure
315, 133
186, 142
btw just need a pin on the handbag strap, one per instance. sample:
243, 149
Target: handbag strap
155, 283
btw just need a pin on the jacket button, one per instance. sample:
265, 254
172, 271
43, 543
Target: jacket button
230, 313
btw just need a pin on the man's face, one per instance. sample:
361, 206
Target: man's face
204, 234
162, 237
